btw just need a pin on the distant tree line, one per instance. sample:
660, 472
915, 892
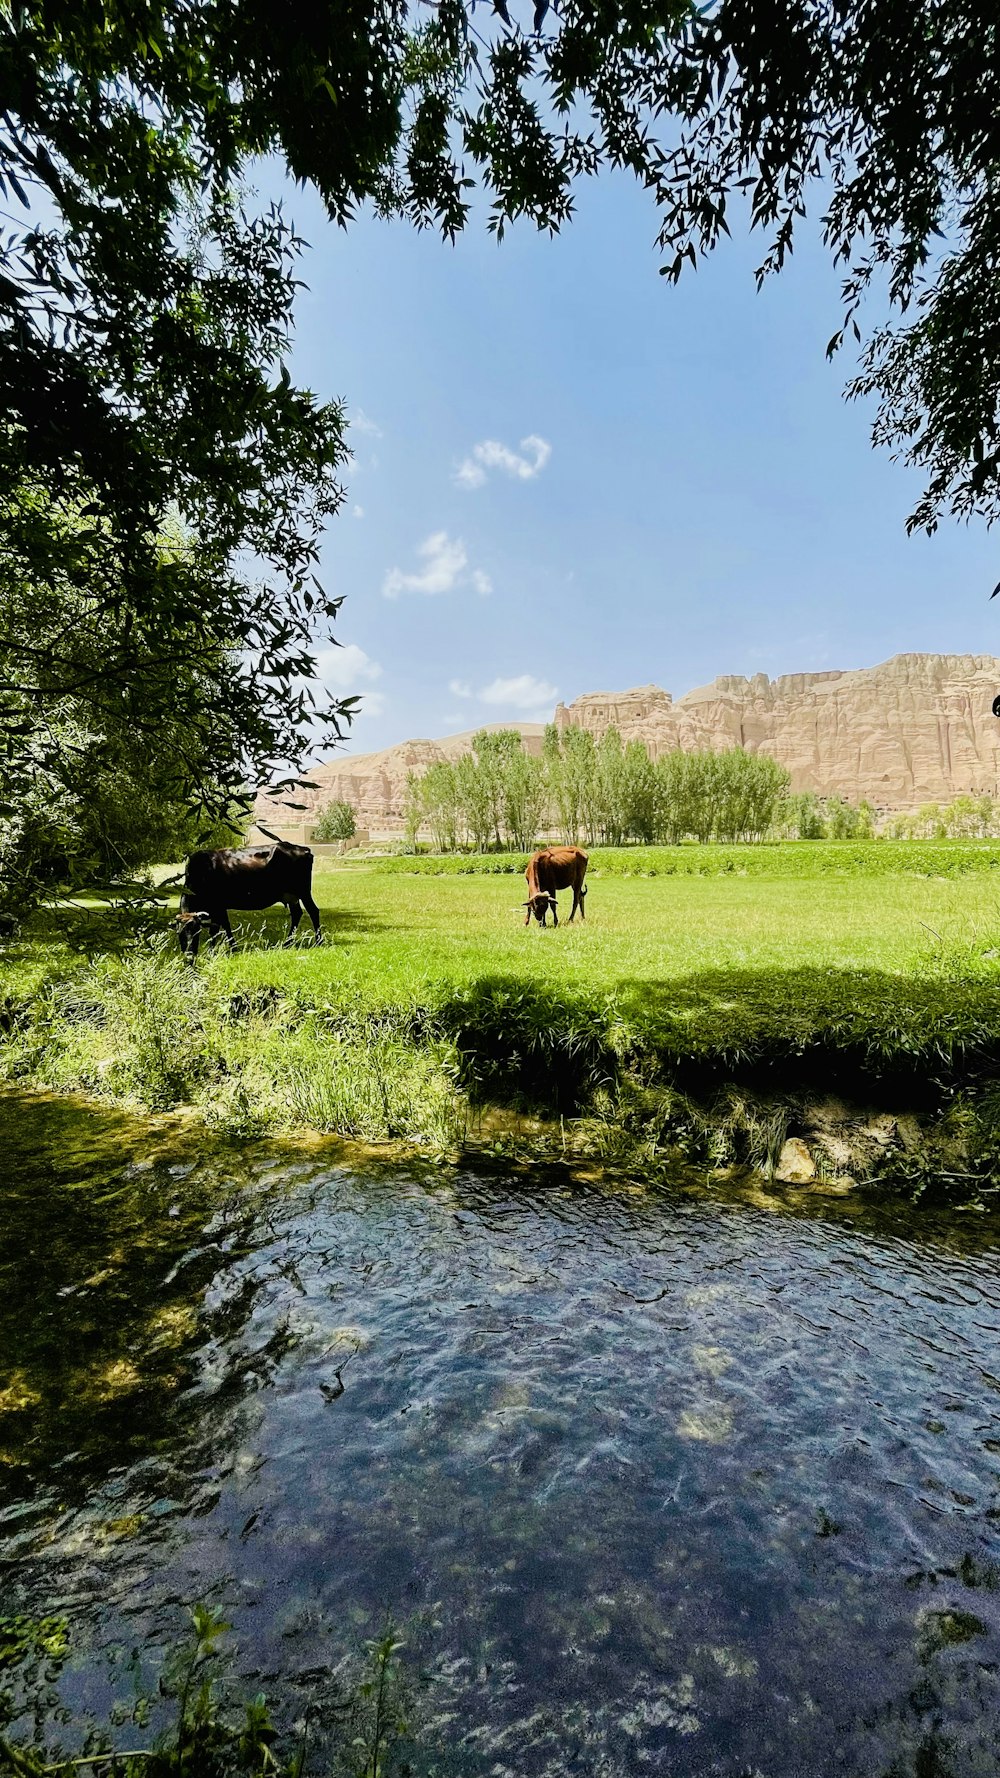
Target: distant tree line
967, 818
590, 792
607, 792
808, 817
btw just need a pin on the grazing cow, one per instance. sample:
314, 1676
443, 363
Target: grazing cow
558, 867
251, 877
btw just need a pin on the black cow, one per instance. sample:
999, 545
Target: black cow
251, 877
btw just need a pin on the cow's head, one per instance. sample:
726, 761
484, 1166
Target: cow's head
539, 905
190, 925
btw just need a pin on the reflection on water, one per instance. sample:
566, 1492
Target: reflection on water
695, 1488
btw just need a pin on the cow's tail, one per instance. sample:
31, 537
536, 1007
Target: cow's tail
271, 836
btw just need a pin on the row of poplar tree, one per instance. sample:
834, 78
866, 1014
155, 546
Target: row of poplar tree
590, 792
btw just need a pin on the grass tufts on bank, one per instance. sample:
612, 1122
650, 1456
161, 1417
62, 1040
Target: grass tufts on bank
430, 1002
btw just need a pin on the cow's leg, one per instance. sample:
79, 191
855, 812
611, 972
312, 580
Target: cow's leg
220, 923
295, 915
313, 911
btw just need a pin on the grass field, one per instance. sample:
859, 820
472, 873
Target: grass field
391, 937
429, 991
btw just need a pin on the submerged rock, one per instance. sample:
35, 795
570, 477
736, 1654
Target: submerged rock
795, 1163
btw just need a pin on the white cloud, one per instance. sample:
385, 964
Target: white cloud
346, 669
357, 512
524, 692
491, 455
347, 672
446, 566
359, 421
523, 695
372, 704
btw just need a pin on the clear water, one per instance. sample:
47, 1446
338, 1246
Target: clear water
697, 1487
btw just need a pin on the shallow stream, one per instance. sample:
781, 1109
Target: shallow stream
696, 1485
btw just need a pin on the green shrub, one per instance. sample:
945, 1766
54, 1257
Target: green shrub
337, 822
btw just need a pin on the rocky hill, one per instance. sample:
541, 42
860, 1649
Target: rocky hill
916, 729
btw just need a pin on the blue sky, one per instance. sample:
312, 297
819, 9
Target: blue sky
668, 484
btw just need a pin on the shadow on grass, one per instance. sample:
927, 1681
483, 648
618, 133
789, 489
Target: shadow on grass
91, 930
269, 929
883, 1024
522, 1043
849, 1029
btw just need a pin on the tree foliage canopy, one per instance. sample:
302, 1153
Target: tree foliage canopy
145, 320
884, 110
146, 310
337, 822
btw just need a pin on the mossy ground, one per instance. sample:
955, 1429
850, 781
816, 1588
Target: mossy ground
429, 996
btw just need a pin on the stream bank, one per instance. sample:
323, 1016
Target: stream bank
850, 1082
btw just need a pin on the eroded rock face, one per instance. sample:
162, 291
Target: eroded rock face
916, 729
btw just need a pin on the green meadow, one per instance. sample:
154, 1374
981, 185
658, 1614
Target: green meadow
394, 934
429, 1003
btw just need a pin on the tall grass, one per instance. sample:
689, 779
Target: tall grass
352, 1077
149, 1031
133, 1027
192, 1716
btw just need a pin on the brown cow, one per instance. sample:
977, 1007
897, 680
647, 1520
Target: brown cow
245, 877
558, 867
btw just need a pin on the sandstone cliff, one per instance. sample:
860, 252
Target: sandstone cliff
916, 729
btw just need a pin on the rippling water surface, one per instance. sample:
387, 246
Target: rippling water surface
697, 1487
